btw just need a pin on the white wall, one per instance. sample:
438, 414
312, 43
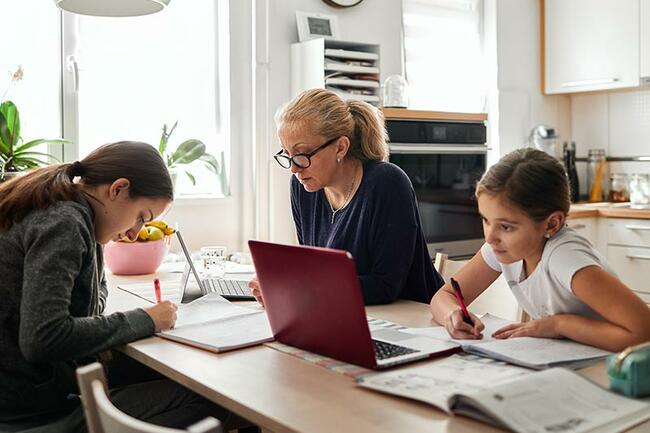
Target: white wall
373, 21
521, 103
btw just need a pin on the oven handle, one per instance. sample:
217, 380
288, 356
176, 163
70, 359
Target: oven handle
416, 148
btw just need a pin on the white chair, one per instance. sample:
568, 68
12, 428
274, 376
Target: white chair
496, 299
103, 417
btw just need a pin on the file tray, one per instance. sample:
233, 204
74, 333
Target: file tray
629, 371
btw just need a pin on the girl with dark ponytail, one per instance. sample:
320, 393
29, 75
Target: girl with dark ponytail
53, 222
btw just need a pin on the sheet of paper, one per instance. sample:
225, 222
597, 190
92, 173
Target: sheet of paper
435, 382
492, 324
170, 290
209, 308
537, 352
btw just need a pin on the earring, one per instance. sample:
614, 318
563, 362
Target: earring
338, 160
547, 236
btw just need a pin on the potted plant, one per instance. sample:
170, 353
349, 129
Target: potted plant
186, 153
17, 156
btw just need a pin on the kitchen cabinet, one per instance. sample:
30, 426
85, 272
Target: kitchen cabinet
628, 252
586, 227
644, 30
592, 45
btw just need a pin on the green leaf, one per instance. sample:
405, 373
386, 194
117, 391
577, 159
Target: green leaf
33, 143
192, 179
4, 135
164, 138
188, 152
211, 162
10, 112
21, 155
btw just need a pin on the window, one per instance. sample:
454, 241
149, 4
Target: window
443, 54
123, 78
35, 47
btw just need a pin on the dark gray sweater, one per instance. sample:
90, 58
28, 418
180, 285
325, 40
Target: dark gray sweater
51, 300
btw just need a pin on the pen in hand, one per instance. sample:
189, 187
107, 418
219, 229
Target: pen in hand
156, 290
461, 301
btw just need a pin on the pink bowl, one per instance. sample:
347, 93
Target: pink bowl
135, 258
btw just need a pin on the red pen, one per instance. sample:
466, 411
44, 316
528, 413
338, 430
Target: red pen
156, 290
461, 301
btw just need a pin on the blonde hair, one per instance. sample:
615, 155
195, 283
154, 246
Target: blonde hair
324, 113
530, 179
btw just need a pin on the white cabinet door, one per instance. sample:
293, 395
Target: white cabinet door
586, 227
644, 30
632, 266
591, 45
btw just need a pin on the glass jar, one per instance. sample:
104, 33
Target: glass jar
597, 175
618, 191
639, 191
396, 92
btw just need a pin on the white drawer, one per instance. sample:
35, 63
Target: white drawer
629, 232
632, 266
584, 226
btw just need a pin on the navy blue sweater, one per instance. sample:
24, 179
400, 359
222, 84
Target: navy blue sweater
380, 227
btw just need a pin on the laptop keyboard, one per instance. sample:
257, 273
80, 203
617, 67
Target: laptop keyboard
228, 288
385, 350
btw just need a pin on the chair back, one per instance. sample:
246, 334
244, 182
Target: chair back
103, 417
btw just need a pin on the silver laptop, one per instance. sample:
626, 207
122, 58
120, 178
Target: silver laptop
234, 290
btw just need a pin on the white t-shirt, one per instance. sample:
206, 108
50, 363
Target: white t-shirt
547, 291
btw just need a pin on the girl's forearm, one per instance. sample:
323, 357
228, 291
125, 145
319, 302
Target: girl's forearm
442, 304
597, 333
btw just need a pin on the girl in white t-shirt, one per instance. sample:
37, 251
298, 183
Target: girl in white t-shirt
559, 279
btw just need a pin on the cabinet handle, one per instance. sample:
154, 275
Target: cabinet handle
634, 256
590, 82
633, 227
578, 226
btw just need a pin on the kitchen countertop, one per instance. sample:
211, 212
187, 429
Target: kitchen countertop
606, 209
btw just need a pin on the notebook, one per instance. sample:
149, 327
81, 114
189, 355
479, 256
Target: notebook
215, 324
536, 353
314, 302
554, 400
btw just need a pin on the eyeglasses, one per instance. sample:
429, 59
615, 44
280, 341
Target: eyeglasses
300, 160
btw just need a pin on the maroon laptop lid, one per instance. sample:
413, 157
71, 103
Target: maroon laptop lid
313, 300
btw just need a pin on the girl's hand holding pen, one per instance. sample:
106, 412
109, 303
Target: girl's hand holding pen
163, 315
458, 328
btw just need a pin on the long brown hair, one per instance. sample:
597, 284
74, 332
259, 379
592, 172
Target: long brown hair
324, 113
138, 162
530, 179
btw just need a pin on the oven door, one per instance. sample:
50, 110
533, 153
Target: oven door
444, 177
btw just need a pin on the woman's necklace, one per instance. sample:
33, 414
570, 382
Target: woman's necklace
348, 196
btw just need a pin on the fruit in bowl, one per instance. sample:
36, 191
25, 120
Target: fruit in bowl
142, 256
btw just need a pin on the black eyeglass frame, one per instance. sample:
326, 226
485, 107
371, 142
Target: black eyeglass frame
291, 159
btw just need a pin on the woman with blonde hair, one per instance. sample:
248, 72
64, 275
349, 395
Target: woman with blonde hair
345, 195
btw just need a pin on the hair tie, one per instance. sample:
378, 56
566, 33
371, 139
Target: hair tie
76, 169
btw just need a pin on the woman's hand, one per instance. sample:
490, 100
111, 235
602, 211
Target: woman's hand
461, 330
535, 328
163, 315
256, 289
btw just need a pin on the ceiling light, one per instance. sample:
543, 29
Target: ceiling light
112, 8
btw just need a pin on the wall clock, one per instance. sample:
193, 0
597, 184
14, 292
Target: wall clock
342, 3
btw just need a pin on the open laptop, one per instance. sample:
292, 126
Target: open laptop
234, 290
313, 300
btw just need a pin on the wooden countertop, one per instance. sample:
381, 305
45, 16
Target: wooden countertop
609, 210
403, 113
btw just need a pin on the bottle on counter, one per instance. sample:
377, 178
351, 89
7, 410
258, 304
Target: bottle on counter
596, 174
569, 152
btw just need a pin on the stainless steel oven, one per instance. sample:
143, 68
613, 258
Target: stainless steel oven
444, 160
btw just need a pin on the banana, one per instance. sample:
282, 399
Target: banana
162, 225
143, 235
169, 231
